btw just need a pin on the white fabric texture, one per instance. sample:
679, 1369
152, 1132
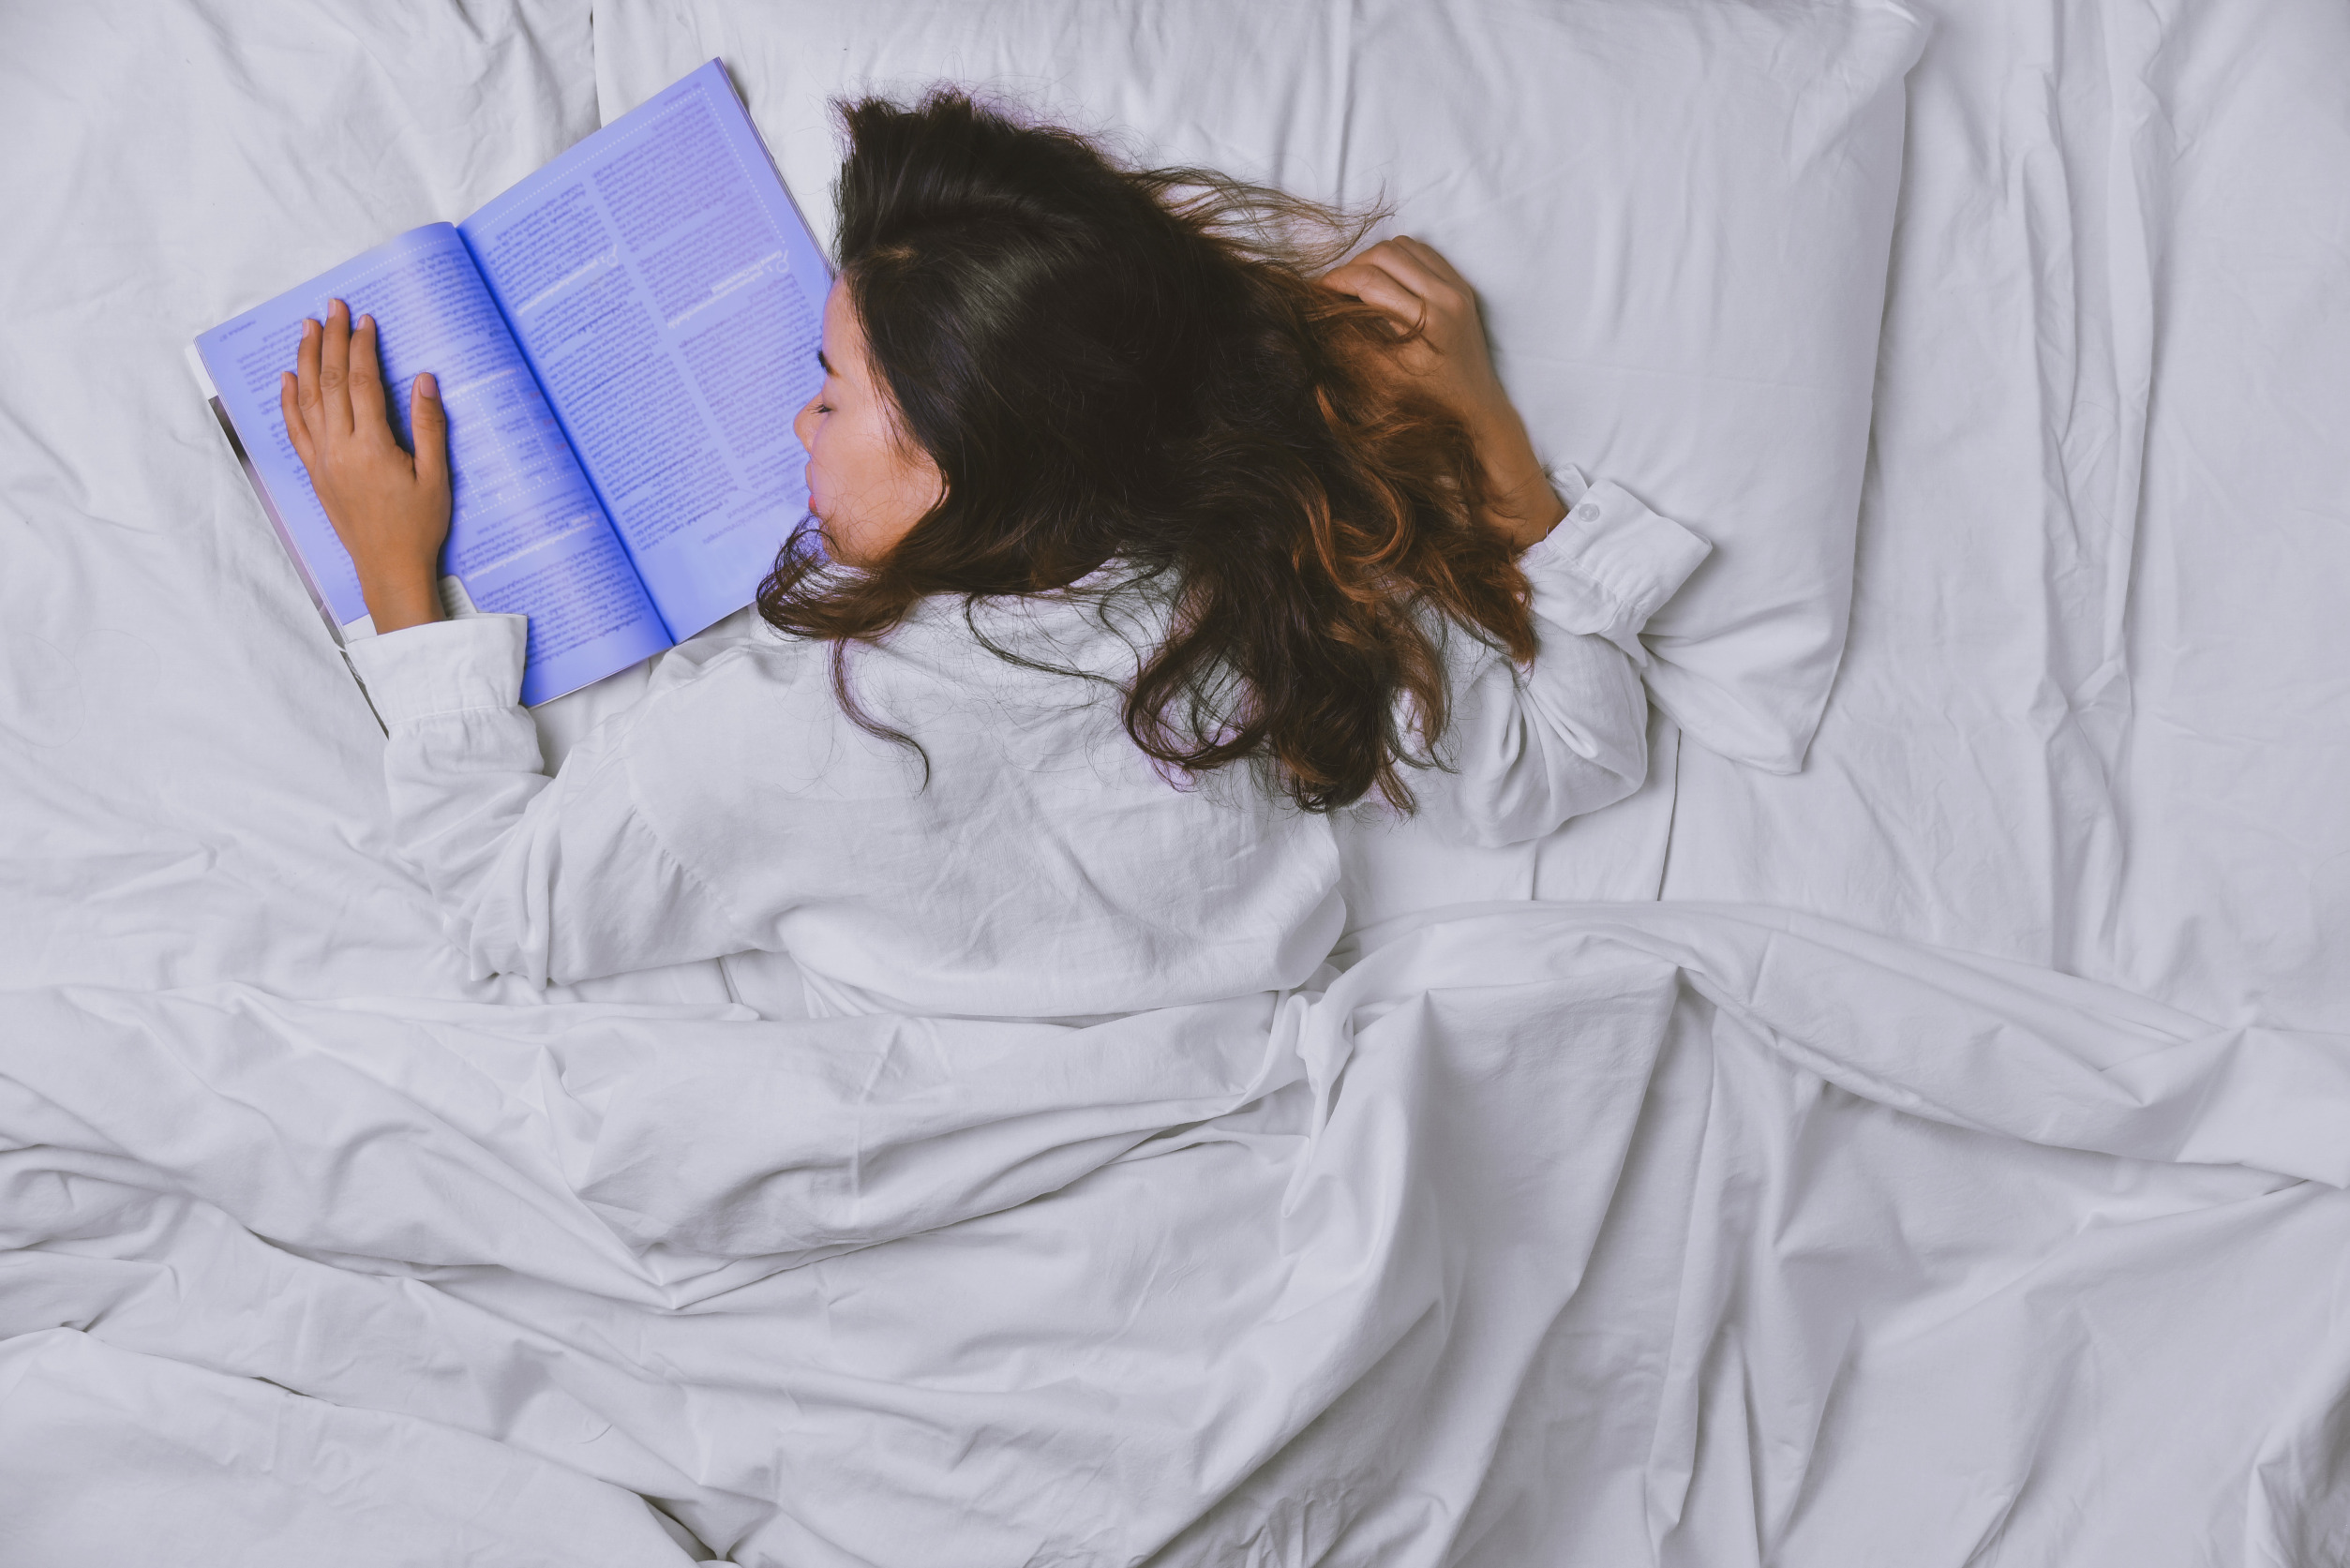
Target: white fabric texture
1655, 1235
1027, 860
2093, 713
1607, 1233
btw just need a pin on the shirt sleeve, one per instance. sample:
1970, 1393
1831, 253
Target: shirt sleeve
557, 878
1532, 745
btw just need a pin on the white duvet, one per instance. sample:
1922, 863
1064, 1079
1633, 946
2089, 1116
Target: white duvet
1579, 1234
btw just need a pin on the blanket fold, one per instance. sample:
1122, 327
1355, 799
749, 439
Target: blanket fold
1591, 1230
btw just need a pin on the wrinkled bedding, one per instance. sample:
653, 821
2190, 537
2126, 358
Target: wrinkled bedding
1581, 1232
2091, 713
1743, 1231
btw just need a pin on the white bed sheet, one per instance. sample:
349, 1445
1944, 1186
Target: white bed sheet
1606, 1233
2094, 710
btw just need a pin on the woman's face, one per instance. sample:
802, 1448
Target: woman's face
868, 482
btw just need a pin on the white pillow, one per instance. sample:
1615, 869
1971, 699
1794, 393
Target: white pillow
1677, 212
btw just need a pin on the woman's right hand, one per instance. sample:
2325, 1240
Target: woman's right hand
1413, 284
390, 509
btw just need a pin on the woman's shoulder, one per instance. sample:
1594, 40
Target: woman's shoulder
946, 637
738, 656
730, 721
954, 676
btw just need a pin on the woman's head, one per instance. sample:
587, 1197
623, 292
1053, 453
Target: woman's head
1042, 362
868, 482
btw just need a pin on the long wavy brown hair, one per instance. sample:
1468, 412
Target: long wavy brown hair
1134, 369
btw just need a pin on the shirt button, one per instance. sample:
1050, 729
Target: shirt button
1587, 513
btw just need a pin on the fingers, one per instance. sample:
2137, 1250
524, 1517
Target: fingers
1408, 268
1433, 260
1410, 280
289, 404
334, 371
429, 426
334, 395
1380, 288
369, 419
305, 385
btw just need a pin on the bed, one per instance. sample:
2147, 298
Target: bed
1914, 1128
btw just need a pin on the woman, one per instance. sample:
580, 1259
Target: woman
1136, 552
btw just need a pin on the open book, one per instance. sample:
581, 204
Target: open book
622, 341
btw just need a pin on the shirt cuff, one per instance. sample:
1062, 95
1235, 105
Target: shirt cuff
1609, 564
442, 666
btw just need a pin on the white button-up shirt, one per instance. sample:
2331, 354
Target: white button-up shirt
1029, 861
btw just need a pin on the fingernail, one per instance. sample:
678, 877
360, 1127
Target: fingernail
426, 384
368, 323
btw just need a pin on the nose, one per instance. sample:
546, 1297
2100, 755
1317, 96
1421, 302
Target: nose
803, 423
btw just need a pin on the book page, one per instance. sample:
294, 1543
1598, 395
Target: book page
527, 534
670, 299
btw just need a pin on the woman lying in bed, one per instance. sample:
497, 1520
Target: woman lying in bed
1135, 553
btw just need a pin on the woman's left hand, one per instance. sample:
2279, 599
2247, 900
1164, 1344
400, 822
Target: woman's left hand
1413, 284
390, 508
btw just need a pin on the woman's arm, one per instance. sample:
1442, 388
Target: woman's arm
561, 878
557, 878
1534, 745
